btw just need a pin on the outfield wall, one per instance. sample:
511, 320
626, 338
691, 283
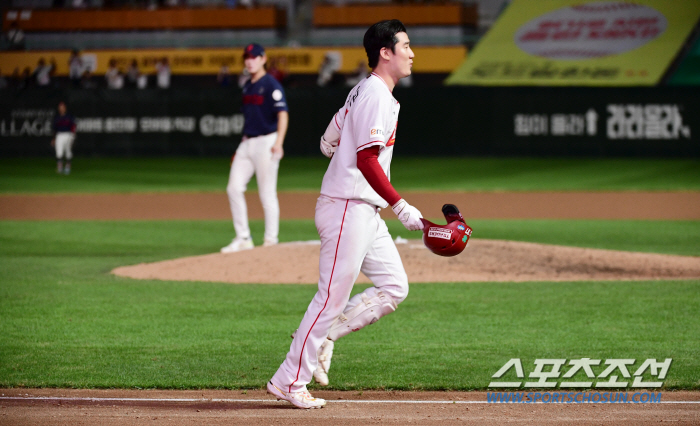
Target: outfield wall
520, 121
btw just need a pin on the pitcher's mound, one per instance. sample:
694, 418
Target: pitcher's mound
483, 260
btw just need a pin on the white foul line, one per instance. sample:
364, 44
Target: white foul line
352, 401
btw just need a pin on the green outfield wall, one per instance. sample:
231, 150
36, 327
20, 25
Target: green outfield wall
442, 121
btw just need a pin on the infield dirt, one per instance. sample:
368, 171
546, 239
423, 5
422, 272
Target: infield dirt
300, 205
482, 260
255, 407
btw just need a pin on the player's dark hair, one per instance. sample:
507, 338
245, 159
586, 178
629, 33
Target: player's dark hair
381, 35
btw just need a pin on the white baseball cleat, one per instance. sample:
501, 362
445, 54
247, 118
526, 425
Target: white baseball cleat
238, 244
301, 399
325, 352
268, 243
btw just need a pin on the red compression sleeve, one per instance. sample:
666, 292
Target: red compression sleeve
369, 166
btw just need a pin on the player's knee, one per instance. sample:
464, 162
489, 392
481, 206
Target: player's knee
398, 289
400, 294
269, 203
234, 188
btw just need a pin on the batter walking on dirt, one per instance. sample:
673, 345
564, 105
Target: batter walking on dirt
64, 136
359, 141
260, 151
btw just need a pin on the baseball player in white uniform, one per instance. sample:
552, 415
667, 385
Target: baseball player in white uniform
266, 120
359, 141
64, 135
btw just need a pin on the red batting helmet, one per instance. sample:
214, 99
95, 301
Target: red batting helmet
450, 239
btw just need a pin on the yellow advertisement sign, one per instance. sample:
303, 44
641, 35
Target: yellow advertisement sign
209, 61
580, 42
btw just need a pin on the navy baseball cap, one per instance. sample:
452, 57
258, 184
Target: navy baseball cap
253, 50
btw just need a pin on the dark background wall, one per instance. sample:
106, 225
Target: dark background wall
434, 121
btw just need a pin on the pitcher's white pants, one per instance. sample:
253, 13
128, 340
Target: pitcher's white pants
353, 238
64, 145
254, 155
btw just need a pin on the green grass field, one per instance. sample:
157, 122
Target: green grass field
66, 322
31, 175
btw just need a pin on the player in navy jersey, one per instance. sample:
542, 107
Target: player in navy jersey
260, 151
64, 136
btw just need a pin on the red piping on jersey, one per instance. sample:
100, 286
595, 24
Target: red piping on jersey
379, 77
335, 258
361, 146
335, 118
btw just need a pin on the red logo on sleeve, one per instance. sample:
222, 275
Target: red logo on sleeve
392, 138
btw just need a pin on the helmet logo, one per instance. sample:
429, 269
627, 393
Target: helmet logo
460, 227
440, 233
464, 238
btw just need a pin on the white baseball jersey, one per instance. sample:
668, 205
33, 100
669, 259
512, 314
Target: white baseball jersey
368, 118
354, 238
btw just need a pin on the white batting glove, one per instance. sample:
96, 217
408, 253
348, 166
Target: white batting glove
327, 148
408, 215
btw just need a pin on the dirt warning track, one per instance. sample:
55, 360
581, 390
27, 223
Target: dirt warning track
300, 205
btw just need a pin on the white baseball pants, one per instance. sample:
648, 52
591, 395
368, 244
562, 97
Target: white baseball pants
354, 238
254, 156
64, 145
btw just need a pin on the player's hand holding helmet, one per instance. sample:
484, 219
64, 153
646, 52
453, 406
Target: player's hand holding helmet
450, 239
408, 215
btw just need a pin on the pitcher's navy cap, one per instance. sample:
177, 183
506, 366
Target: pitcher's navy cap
253, 50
